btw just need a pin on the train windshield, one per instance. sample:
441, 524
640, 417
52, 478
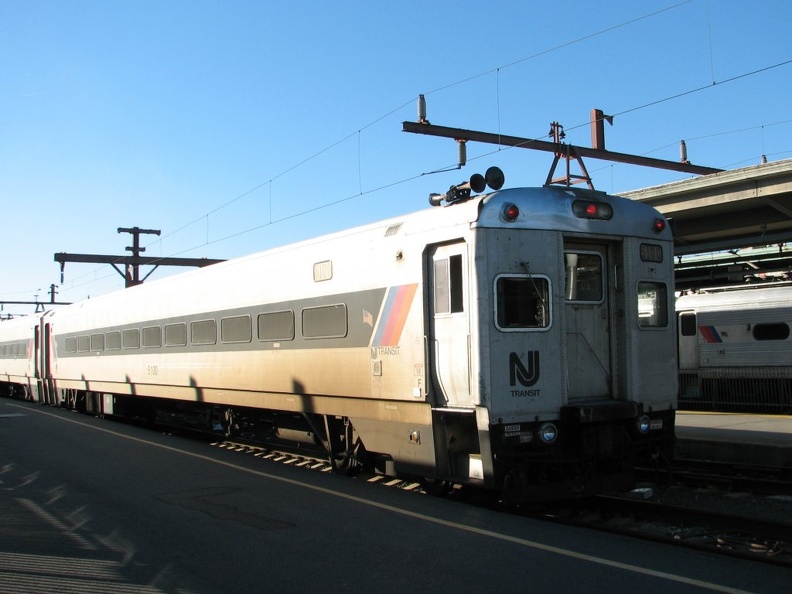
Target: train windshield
652, 305
583, 276
522, 302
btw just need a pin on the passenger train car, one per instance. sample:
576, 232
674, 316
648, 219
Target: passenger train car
521, 340
735, 349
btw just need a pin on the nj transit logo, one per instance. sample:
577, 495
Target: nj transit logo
526, 375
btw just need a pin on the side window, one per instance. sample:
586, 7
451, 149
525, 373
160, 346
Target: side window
325, 322
277, 325
97, 342
778, 331
448, 290
131, 338
687, 324
522, 302
152, 337
71, 344
176, 334
235, 329
203, 332
652, 305
113, 341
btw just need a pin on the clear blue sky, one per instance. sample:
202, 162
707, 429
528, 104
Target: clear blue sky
234, 126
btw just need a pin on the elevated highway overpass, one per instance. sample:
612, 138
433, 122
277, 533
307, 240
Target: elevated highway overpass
731, 227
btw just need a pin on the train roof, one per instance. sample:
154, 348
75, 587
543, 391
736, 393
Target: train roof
540, 208
749, 297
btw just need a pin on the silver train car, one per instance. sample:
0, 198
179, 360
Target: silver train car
735, 349
521, 340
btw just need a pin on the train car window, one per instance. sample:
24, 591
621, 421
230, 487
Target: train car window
203, 332
687, 324
442, 298
455, 272
131, 338
97, 342
276, 325
583, 276
779, 331
448, 292
652, 305
71, 344
83, 344
325, 322
152, 337
113, 341
235, 329
176, 334
522, 302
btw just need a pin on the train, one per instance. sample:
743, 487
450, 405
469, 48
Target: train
518, 340
735, 349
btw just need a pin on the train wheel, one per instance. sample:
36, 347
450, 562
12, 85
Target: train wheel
345, 450
436, 487
513, 492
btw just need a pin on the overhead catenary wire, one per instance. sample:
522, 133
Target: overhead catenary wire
362, 191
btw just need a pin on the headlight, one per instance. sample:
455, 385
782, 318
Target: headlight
548, 432
642, 424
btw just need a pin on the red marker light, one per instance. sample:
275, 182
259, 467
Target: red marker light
659, 225
510, 212
593, 210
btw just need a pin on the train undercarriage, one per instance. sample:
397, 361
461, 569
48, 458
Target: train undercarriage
594, 459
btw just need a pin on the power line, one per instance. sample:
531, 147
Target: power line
411, 178
410, 102
358, 132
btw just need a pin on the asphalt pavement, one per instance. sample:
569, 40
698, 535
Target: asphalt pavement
91, 505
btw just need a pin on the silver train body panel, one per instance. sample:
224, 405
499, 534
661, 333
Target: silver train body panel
735, 349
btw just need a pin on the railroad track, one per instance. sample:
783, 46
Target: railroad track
719, 532
681, 525
311, 460
727, 476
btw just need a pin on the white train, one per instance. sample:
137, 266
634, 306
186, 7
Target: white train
521, 340
735, 349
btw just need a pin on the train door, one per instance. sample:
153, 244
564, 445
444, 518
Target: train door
42, 338
687, 340
450, 319
587, 319
37, 396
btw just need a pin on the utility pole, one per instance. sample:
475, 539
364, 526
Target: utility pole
39, 304
132, 275
560, 149
131, 264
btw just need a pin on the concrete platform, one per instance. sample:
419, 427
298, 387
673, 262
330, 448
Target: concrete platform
738, 438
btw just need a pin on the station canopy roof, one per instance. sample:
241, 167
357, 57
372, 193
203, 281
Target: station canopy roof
730, 227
